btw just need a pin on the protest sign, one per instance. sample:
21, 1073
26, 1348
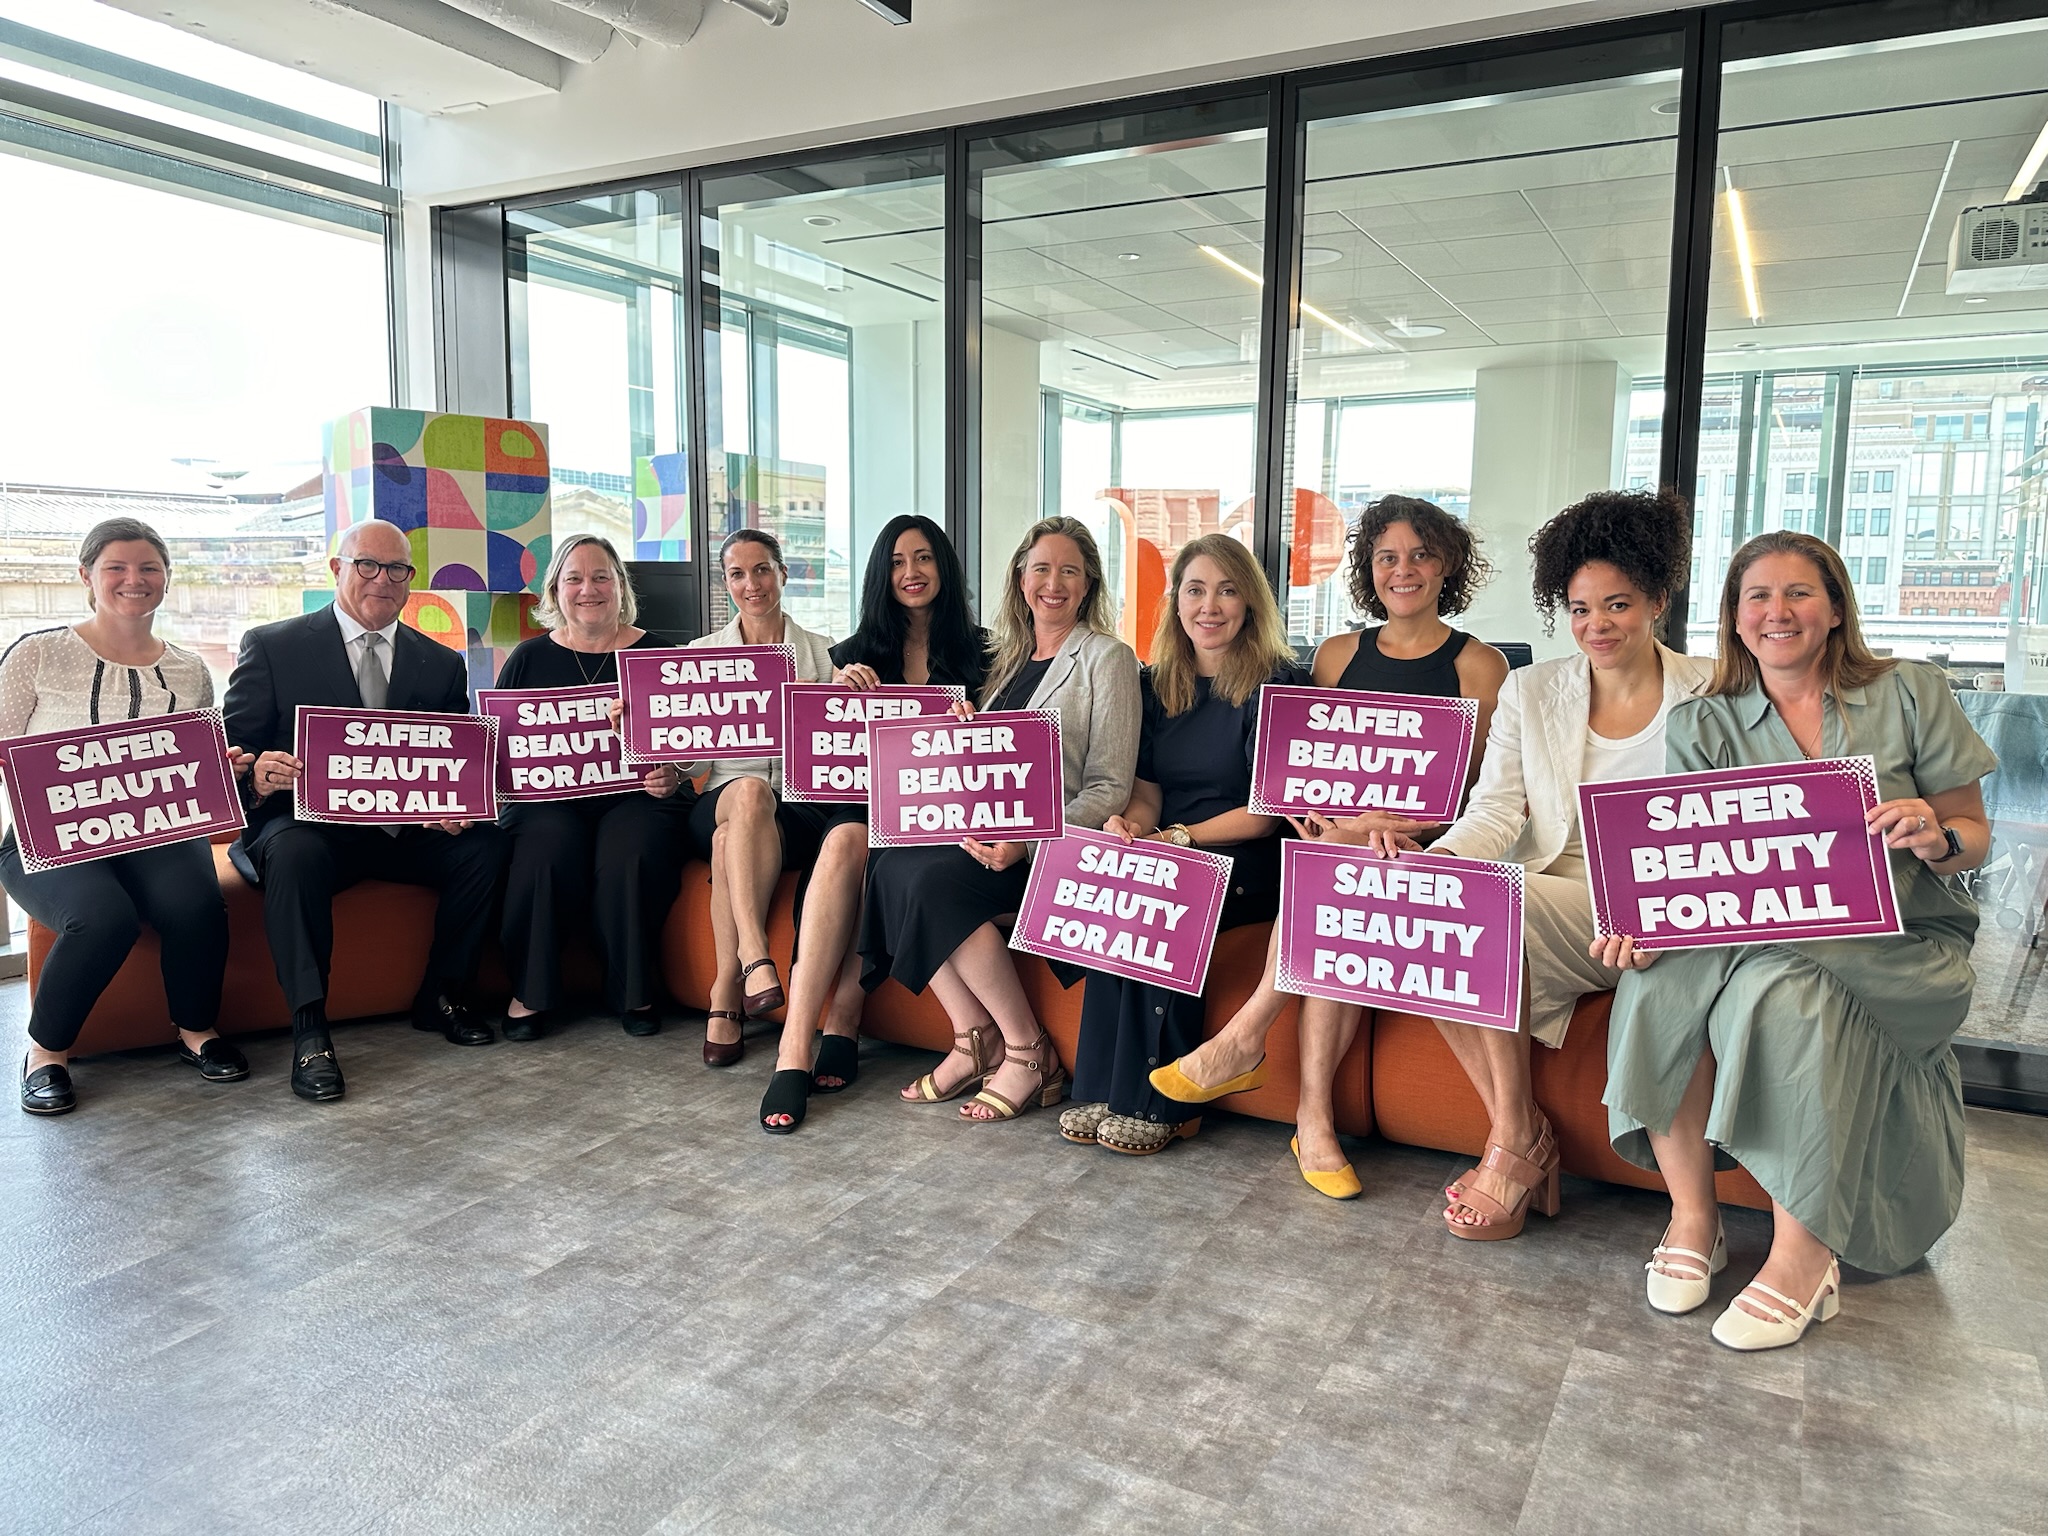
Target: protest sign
1146, 911
995, 778
394, 767
1757, 855
1425, 933
557, 743
1337, 751
825, 735
106, 789
697, 703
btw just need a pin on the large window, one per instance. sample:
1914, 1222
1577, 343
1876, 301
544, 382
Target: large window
178, 326
1485, 274
1122, 263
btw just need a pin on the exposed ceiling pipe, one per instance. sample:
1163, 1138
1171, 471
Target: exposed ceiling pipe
671, 23
559, 30
774, 12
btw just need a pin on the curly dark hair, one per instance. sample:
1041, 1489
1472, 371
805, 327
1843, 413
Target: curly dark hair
1446, 537
1646, 535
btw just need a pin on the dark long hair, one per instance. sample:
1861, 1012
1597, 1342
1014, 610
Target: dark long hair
955, 641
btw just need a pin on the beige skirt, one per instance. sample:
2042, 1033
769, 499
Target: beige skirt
1557, 924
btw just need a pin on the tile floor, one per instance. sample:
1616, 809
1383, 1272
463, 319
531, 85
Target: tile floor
566, 1287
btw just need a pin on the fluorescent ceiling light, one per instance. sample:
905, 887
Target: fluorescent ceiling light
2030, 168
1307, 308
1740, 225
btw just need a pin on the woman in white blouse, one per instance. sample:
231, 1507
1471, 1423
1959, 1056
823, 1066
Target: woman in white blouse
113, 667
1612, 562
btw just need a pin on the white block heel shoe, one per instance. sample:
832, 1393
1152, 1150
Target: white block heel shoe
1787, 1321
1679, 1278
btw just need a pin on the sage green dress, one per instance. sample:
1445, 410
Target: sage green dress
1834, 1084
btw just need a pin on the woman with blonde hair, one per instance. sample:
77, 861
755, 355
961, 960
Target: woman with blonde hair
1825, 1068
616, 859
932, 912
1219, 641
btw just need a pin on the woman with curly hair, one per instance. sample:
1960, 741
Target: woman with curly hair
1412, 565
1612, 563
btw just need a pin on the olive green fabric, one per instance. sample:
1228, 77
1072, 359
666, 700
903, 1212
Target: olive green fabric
1835, 1084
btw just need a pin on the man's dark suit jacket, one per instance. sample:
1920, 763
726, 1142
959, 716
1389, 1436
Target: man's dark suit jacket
303, 661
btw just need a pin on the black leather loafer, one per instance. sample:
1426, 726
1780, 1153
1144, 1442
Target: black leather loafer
528, 1026
47, 1091
316, 1076
217, 1061
455, 1023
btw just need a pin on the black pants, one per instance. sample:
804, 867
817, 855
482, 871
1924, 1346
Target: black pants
304, 864
97, 911
617, 860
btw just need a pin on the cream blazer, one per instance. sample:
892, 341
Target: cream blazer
1527, 798
813, 665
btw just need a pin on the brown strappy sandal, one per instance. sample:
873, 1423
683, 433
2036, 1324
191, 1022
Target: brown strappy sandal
1534, 1179
975, 1047
1052, 1082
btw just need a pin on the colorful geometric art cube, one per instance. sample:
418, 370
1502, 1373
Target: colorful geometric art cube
661, 507
470, 493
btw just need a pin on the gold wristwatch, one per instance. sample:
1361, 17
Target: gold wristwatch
1178, 835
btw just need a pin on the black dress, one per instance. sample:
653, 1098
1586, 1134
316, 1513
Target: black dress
1202, 762
969, 678
924, 903
1372, 671
617, 859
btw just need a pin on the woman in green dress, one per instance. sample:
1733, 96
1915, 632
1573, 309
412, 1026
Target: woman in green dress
1824, 1068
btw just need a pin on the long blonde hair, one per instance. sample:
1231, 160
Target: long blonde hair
1261, 645
1011, 645
1847, 662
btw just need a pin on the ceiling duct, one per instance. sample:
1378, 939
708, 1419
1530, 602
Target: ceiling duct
671, 23
554, 27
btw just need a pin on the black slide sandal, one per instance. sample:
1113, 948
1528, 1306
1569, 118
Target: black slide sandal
838, 1056
788, 1094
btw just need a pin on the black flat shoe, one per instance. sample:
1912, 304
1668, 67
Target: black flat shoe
217, 1061
788, 1093
528, 1026
47, 1091
316, 1076
455, 1023
838, 1056
641, 1022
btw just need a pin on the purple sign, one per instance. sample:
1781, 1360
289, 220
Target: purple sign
107, 789
695, 703
1758, 855
556, 743
995, 778
825, 733
1425, 933
394, 767
1146, 911
1338, 751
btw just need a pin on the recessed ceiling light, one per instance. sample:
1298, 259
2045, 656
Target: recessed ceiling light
1407, 331
1129, 256
820, 220
1745, 346
1319, 256
1666, 108
1979, 299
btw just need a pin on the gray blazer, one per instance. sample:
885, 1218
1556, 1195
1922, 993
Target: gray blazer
1527, 799
1093, 683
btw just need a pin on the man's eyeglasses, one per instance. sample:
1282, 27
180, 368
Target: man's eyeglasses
390, 570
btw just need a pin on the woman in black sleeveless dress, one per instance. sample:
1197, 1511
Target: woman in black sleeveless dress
1412, 565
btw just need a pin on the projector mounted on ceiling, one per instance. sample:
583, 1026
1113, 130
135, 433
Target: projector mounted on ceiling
2002, 248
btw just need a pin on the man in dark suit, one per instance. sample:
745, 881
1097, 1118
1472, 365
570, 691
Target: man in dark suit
354, 653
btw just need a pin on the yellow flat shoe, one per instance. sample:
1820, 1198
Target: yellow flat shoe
1181, 1088
1341, 1185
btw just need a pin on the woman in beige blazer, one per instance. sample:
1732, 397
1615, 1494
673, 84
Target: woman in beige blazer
931, 912
1612, 563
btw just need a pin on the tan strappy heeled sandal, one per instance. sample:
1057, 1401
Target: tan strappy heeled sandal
978, 1045
1043, 1060
1533, 1178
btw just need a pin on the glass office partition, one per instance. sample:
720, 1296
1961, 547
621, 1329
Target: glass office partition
1485, 275
1122, 265
825, 372
595, 306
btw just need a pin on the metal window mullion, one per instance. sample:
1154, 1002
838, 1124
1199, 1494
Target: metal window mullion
1837, 449
699, 377
1279, 318
962, 319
